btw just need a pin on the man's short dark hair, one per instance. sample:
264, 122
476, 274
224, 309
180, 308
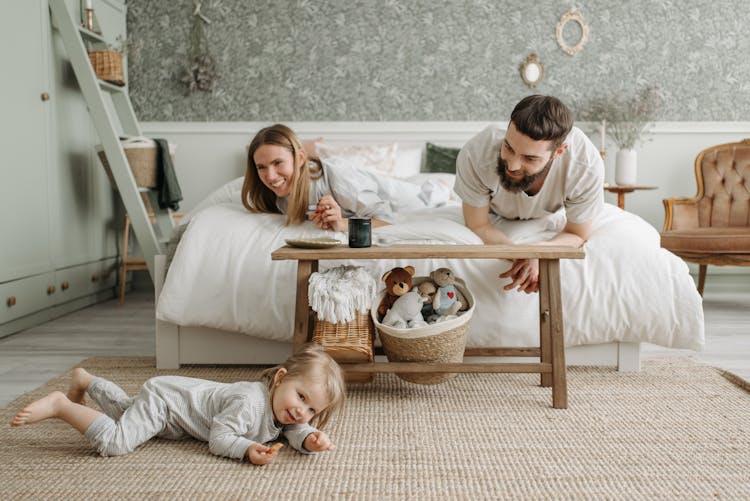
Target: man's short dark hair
543, 118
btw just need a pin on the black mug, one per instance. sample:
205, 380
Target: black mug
360, 232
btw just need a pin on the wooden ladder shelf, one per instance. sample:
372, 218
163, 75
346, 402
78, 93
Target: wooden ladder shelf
152, 237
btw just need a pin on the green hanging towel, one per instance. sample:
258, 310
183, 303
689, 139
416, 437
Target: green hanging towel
170, 193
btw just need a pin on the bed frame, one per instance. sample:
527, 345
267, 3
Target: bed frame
179, 344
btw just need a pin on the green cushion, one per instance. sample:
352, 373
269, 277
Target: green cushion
440, 159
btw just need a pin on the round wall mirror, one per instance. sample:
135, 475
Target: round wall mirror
532, 71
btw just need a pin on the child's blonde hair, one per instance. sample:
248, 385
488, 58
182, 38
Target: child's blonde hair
312, 360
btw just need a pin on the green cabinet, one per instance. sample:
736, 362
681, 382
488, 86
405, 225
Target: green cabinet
25, 105
59, 217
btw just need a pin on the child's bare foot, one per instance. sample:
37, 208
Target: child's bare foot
78, 385
44, 408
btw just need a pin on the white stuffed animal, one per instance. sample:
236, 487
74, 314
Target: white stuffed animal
406, 311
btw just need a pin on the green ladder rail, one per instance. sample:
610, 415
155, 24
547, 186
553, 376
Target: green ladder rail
152, 238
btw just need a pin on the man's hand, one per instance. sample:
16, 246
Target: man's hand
317, 442
260, 454
524, 274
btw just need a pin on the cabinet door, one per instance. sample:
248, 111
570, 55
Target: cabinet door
71, 162
24, 190
86, 207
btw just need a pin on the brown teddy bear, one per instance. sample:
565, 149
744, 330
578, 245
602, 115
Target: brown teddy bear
397, 283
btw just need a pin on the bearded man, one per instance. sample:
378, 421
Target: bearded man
540, 166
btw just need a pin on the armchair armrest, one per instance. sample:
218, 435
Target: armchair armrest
681, 213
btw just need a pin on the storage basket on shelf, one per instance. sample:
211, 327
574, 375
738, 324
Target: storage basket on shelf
107, 65
439, 342
142, 154
341, 298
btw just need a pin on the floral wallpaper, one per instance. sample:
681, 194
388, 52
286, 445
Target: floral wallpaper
414, 60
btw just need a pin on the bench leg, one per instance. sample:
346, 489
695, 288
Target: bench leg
302, 321
545, 344
559, 379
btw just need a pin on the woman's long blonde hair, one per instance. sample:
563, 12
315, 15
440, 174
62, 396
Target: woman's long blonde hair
257, 197
309, 362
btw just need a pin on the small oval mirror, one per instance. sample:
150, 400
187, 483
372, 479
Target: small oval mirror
575, 17
532, 71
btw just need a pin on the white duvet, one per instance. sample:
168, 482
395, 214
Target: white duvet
626, 289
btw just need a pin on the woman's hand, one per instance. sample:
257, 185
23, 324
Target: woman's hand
318, 441
524, 274
327, 216
260, 454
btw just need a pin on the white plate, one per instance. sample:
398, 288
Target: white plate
314, 243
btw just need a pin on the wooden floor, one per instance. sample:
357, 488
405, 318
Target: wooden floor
30, 358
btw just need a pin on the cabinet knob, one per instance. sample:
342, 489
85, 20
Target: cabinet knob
45, 96
65, 285
50, 290
94, 277
11, 301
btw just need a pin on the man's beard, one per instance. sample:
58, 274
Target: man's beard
523, 184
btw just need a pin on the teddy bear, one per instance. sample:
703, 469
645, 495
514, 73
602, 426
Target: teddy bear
406, 311
448, 299
397, 283
427, 290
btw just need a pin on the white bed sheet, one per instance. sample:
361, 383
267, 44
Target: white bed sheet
626, 289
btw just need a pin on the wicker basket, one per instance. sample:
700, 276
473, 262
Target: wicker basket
142, 154
348, 342
439, 342
107, 66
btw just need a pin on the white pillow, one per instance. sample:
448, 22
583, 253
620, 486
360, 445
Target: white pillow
408, 162
442, 178
378, 157
230, 192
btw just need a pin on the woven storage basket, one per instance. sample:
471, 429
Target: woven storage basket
107, 66
348, 342
142, 154
438, 342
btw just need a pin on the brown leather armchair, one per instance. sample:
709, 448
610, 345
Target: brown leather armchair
714, 226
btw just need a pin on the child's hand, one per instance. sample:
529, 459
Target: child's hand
260, 454
318, 441
328, 215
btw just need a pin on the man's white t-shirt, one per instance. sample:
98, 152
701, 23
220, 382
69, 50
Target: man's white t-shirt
574, 181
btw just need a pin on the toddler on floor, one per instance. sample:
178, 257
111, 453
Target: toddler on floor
236, 419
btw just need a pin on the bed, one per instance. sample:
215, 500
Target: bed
223, 301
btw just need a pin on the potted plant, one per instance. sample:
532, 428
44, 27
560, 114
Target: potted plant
627, 119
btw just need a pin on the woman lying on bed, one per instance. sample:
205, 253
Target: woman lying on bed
283, 178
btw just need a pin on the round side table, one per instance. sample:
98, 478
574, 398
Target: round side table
622, 190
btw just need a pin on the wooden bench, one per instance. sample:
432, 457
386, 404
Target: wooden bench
551, 354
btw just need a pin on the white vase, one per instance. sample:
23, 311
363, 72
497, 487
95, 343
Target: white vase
626, 167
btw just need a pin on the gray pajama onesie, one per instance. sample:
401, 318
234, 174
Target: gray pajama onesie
229, 416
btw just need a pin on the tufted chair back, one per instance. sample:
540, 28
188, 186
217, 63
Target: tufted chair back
714, 226
725, 174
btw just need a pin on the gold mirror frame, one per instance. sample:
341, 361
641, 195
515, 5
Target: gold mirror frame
572, 16
528, 66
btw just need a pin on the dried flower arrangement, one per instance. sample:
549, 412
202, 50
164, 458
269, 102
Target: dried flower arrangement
201, 71
627, 118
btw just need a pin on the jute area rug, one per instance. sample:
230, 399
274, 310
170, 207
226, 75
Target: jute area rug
676, 429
